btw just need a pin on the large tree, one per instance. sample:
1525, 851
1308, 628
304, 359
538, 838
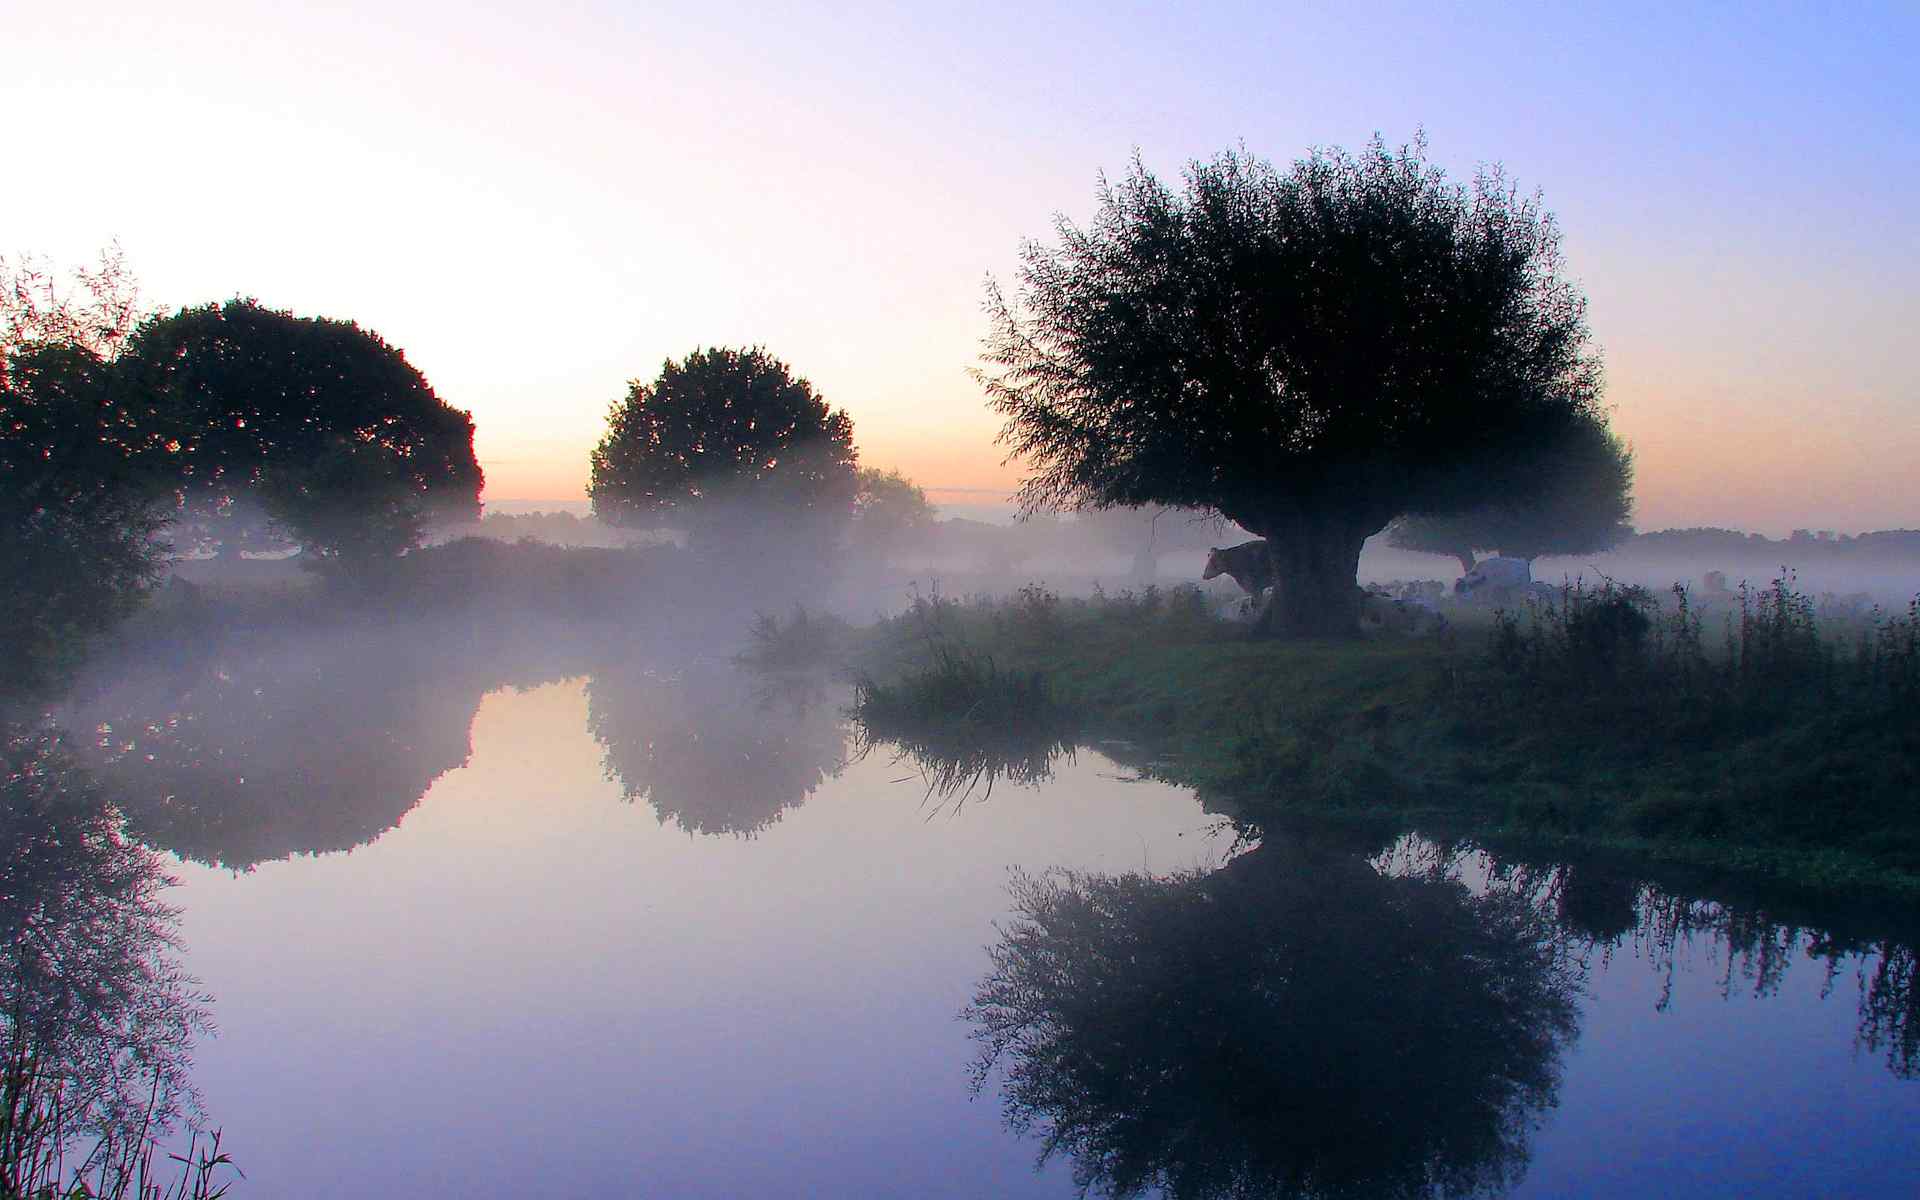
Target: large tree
1585, 508
727, 444
1310, 353
78, 469
329, 428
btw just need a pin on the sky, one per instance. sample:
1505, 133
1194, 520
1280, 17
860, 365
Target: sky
541, 203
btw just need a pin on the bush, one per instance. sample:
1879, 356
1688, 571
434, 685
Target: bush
807, 641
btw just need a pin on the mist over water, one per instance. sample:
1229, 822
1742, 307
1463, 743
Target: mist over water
1299, 768
507, 903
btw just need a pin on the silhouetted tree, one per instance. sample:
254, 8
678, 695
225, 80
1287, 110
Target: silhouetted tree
36, 309
1584, 509
728, 446
328, 427
1290, 1025
1310, 353
79, 465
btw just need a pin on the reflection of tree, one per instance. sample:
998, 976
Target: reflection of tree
1757, 950
1890, 1006
1601, 907
306, 748
1286, 1026
92, 1002
708, 749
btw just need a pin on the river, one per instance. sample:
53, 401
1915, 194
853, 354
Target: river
655, 927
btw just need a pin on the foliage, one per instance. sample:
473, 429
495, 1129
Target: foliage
36, 310
726, 444
807, 641
1612, 649
78, 467
1288, 1025
1601, 719
1584, 509
96, 1018
329, 428
967, 722
890, 513
1310, 353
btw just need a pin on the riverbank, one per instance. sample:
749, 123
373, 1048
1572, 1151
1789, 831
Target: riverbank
1758, 737
1770, 747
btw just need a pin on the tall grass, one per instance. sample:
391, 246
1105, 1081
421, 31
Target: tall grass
1783, 731
1615, 647
967, 722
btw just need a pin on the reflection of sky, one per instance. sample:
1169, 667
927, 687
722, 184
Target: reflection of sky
1732, 1098
531, 981
1722, 1093
531, 986
594, 187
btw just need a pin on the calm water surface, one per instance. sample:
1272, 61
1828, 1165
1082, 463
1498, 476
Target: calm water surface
645, 930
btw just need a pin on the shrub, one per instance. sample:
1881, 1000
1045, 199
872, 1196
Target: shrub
807, 641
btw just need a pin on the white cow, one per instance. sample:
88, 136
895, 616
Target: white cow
1496, 580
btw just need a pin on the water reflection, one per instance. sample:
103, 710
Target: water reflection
1294, 1024
958, 762
98, 1018
711, 748
251, 754
1602, 909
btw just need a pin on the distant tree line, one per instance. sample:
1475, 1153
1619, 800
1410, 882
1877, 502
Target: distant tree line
1801, 546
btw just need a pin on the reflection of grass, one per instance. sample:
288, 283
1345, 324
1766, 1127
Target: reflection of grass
967, 721
1787, 744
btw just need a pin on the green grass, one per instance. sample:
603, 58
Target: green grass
1773, 747
967, 722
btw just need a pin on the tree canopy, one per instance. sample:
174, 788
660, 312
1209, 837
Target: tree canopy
1584, 509
891, 513
78, 518
342, 440
725, 443
1310, 353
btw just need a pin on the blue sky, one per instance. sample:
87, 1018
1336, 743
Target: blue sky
540, 203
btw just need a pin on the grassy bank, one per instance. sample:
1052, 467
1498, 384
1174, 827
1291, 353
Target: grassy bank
1755, 739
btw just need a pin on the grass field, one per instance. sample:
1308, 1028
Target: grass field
1753, 738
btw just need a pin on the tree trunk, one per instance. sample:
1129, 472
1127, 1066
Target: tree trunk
1316, 566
